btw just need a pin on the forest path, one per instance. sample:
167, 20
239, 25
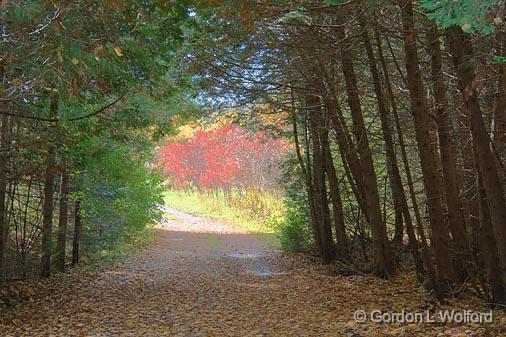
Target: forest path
204, 278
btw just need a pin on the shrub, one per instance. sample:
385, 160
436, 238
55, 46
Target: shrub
119, 196
293, 227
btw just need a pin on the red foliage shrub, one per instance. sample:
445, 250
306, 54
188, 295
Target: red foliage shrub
223, 158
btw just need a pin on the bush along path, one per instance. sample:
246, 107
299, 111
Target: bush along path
202, 278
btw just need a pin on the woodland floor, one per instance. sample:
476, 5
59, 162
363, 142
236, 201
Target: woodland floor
202, 278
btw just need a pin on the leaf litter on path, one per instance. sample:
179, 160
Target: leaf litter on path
203, 278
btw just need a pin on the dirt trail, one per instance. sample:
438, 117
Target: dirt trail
203, 278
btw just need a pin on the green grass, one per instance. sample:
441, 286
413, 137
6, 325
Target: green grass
213, 207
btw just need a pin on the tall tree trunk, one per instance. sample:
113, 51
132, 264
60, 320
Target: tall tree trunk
344, 140
47, 208
335, 196
63, 220
467, 173
500, 114
446, 148
400, 136
297, 142
432, 278
392, 168
488, 248
305, 171
462, 55
351, 162
398, 194
77, 233
312, 201
383, 255
426, 146
322, 212
4, 171
4, 168
499, 131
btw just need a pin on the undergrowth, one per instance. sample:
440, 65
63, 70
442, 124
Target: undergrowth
251, 210
107, 258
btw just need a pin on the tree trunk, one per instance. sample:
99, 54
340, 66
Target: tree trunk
47, 208
426, 146
446, 148
383, 256
344, 140
4, 170
335, 196
351, 162
467, 174
432, 278
500, 115
77, 233
499, 131
402, 145
305, 171
62, 221
322, 213
488, 249
398, 194
494, 190
392, 168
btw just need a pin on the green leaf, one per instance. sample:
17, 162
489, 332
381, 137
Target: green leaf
297, 15
498, 59
470, 15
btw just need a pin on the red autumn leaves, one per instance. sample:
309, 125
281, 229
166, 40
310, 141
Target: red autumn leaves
223, 158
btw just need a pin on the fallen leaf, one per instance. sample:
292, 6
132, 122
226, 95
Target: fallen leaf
118, 51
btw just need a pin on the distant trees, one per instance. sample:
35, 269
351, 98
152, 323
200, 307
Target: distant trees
395, 109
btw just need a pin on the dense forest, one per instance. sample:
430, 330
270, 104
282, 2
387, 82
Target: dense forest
397, 116
86, 92
388, 140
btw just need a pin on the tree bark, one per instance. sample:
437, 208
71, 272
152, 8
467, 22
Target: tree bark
432, 278
322, 212
383, 256
47, 208
392, 168
488, 249
462, 56
499, 131
4, 162
426, 146
77, 233
4, 170
398, 194
305, 171
335, 196
446, 148
62, 221
344, 139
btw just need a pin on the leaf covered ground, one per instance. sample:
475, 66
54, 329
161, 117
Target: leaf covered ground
202, 278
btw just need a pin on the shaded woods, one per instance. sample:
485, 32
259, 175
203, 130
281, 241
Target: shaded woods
397, 112
79, 118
